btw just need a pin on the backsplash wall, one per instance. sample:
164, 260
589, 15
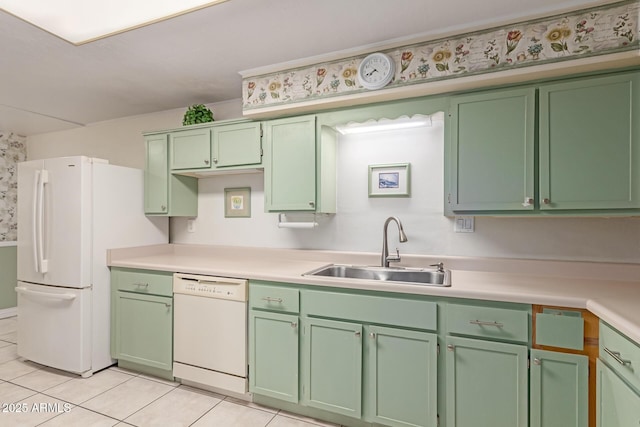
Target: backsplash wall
13, 149
358, 224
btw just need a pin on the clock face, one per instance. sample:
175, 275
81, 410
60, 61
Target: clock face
376, 71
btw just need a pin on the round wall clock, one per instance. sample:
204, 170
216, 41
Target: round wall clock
376, 71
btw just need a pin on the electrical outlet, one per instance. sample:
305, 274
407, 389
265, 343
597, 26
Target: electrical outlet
464, 224
191, 225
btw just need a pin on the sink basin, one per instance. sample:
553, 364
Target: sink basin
415, 276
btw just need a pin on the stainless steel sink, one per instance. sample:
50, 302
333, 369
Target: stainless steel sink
415, 276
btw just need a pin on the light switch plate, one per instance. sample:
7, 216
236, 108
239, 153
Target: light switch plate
191, 225
464, 224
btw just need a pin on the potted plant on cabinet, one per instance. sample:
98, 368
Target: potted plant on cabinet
197, 113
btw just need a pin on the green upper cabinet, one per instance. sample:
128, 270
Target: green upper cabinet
164, 193
559, 389
582, 156
190, 149
299, 169
486, 383
237, 144
492, 151
590, 143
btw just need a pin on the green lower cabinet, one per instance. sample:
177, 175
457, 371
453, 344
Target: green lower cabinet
618, 404
401, 377
144, 329
559, 387
486, 383
273, 357
332, 354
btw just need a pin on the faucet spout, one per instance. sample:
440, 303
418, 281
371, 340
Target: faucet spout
385, 258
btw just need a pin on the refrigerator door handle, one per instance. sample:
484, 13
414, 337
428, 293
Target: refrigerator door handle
25, 291
34, 220
42, 262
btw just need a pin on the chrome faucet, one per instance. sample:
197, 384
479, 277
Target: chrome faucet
385, 259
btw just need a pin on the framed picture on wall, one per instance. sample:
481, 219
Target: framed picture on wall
392, 180
237, 202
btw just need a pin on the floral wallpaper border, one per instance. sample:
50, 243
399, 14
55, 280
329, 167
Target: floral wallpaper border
590, 32
13, 149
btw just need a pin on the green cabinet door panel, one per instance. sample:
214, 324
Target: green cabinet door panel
559, 387
401, 377
486, 383
237, 144
144, 329
290, 164
190, 149
590, 143
156, 175
618, 404
491, 165
332, 354
164, 193
273, 355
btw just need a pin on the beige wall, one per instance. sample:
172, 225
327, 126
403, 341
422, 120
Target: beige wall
120, 141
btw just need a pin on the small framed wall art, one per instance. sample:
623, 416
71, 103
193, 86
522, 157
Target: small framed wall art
237, 202
392, 180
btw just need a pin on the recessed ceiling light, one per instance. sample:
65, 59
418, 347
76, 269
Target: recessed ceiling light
83, 21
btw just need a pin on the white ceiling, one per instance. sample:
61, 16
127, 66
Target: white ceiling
47, 84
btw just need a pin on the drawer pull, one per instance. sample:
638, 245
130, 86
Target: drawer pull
372, 335
269, 299
483, 323
166, 304
537, 361
357, 333
294, 325
616, 357
450, 347
141, 285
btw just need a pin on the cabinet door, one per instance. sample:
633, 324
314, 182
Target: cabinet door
191, 149
491, 164
156, 175
617, 404
486, 384
290, 166
237, 144
559, 388
144, 329
590, 143
332, 353
401, 377
273, 355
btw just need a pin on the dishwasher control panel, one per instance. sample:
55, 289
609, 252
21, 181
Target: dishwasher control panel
210, 286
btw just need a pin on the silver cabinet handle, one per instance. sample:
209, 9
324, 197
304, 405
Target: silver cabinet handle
546, 201
372, 335
163, 208
294, 325
483, 323
528, 201
537, 361
166, 304
312, 204
616, 357
141, 285
215, 160
450, 347
269, 299
206, 162
357, 333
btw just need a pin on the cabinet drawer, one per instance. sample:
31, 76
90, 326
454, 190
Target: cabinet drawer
399, 312
488, 322
276, 298
560, 328
621, 353
143, 281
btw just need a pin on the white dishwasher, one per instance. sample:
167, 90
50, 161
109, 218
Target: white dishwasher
210, 332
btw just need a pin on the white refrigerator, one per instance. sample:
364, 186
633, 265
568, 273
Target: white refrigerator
70, 211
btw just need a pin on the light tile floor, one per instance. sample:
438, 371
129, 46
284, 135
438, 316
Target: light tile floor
34, 395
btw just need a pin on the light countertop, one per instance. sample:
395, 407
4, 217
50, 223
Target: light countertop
610, 291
